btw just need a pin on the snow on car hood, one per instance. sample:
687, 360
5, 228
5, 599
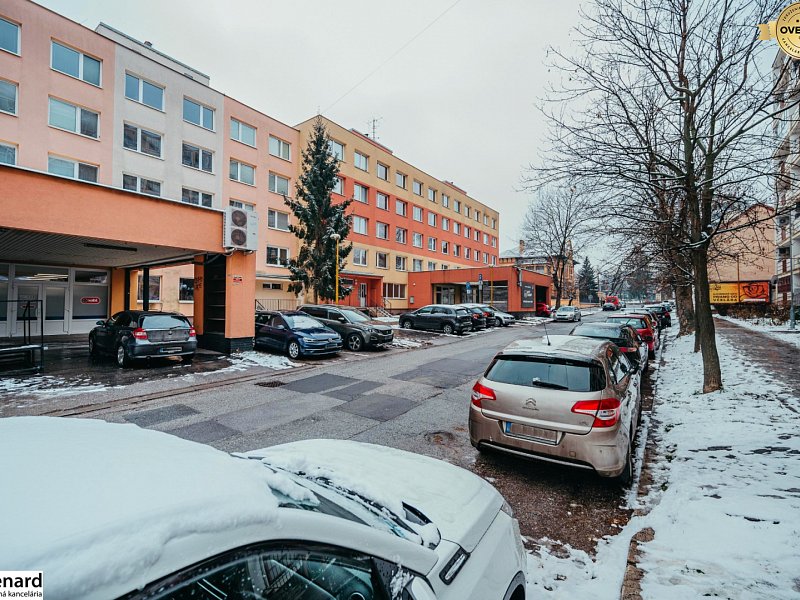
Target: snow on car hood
459, 503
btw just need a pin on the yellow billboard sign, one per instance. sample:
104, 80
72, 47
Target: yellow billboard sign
734, 293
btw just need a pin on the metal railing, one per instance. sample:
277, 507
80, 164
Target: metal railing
277, 304
25, 347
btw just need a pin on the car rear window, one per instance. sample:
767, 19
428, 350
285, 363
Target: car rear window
164, 322
461, 312
633, 322
599, 332
549, 372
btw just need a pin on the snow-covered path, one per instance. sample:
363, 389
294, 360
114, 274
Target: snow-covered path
726, 504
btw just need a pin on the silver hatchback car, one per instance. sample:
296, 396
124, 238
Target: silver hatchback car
575, 402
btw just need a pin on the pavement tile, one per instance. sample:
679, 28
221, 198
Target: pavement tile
380, 407
437, 379
354, 391
318, 383
146, 418
456, 365
276, 413
204, 431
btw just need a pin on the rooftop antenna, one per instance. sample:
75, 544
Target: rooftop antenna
372, 125
547, 335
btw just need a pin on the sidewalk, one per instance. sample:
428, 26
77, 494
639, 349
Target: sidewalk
724, 505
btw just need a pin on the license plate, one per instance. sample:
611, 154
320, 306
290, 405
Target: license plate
528, 431
171, 350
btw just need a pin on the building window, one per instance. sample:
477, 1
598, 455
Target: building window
466, 232
141, 140
72, 169
457, 206
272, 286
360, 257
336, 149
485, 258
141, 185
8, 97
243, 205
242, 132
382, 260
445, 200
242, 172
197, 198
400, 235
485, 219
456, 250
75, 64
467, 211
198, 114
432, 219
198, 158
381, 230
383, 172
144, 92
445, 224
431, 194
360, 161
338, 186
416, 265
359, 225
418, 187
360, 193
277, 257
277, 220
494, 260
432, 244
485, 238
394, 291
494, 242
417, 214
478, 216
382, 201
401, 208
444, 267
466, 253
279, 148
431, 266
477, 235
399, 263
494, 223
73, 118
417, 240
8, 154
278, 184
186, 289
445, 248
456, 227
400, 179
9, 36
154, 289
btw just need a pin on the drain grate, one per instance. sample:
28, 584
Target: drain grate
271, 383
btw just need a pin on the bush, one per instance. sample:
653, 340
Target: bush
767, 314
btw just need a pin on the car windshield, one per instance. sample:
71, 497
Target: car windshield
550, 372
354, 316
632, 321
164, 322
302, 322
566, 309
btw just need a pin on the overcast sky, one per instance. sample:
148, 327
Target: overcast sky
458, 101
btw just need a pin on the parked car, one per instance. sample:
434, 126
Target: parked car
574, 402
651, 314
614, 300
436, 317
295, 333
542, 309
663, 313
503, 318
137, 335
357, 329
568, 313
644, 326
609, 306
624, 336
478, 318
317, 519
488, 313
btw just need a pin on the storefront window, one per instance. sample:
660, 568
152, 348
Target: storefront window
155, 289
3, 293
186, 289
91, 277
89, 301
34, 273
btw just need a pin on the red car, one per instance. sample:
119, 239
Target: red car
644, 327
613, 300
542, 310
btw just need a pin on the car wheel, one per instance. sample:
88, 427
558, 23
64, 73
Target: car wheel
293, 349
92, 347
626, 477
355, 342
123, 360
407, 325
447, 329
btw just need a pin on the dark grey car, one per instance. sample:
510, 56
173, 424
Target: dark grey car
135, 334
357, 329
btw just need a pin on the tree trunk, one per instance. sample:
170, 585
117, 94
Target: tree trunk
705, 334
685, 309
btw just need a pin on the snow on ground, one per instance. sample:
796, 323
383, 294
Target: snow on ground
49, 385
405, 343
533, 320
725, 503
387, 319
253, 358
762, 325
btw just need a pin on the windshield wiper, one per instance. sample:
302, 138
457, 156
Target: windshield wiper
547, 384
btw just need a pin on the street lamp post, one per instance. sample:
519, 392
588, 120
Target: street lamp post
336, 237
792, 304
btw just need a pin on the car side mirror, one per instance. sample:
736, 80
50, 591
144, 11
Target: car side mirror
342, 320
100, 323
280, 327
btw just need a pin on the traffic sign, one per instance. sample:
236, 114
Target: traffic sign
469, 287
480, 277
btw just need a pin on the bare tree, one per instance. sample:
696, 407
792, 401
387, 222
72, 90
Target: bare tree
555, 229
666, 114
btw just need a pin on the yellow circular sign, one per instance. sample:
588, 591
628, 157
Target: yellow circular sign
787, 30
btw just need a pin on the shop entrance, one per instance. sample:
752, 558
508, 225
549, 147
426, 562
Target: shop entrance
27, 306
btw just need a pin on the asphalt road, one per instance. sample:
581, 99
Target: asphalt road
415, 400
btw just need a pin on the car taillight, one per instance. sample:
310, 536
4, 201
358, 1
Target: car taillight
480, 392
474, 316
627, 349
140, 334
605, 411
192, 332
647, 337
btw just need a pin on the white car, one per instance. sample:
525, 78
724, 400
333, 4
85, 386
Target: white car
107, 510
503, 318
568, 313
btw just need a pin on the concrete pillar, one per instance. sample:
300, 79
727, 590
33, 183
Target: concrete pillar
240, 300
199, 296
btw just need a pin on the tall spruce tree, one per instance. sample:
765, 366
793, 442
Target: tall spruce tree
317, 218
587, 282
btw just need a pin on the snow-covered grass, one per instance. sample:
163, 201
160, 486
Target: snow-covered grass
778, 332
533, 320
49, 385
405, 343
253, 358
725, 503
